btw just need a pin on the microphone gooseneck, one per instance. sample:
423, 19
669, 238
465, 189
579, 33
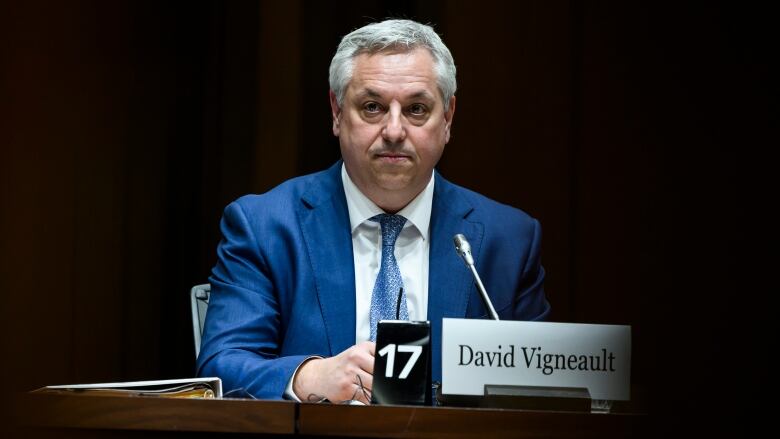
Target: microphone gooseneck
463, 248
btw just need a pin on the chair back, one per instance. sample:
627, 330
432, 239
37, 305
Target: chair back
199, 302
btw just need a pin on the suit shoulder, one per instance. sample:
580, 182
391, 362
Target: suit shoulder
281, 198
487, 209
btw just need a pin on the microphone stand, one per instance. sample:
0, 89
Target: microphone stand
483, 293
463, 248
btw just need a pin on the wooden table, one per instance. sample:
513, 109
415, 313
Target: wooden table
113, 416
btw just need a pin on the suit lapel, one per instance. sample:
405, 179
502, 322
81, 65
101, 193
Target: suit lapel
449, 283
324, 221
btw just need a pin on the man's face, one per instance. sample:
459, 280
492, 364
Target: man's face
392, 126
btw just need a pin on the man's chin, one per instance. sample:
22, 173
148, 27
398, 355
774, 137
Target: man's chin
393, 182
396, 184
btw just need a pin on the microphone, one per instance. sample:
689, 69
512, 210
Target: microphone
463, 248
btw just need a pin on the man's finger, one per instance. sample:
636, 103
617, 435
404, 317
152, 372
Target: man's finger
367, 380
364, 358
366, 363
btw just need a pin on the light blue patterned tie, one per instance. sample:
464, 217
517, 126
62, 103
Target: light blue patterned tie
388, 282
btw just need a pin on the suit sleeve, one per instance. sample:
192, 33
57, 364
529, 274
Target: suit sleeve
529, 301
242, 332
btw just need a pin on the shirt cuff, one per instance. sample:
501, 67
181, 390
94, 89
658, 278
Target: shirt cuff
288, 391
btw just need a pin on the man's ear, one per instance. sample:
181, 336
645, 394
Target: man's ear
448, 116
335, 112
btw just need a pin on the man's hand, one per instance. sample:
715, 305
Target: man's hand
338, 378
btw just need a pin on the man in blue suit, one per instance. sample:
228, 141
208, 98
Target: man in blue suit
305, 270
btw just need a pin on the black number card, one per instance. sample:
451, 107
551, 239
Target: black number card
402, 363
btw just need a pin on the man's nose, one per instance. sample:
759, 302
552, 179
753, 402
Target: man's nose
394, 130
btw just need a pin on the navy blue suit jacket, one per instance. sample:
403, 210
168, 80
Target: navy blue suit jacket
283, 288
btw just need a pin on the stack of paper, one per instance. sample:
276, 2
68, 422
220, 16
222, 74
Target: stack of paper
210, 387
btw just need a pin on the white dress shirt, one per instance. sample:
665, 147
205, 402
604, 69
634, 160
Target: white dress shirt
411, 251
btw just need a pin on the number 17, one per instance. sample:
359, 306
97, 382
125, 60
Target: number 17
389, 350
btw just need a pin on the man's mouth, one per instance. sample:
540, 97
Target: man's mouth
392, 156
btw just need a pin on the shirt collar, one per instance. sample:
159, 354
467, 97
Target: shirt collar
361, 208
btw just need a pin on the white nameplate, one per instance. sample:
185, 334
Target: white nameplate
480, 352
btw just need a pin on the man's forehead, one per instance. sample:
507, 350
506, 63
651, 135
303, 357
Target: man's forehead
419, 60
408, 72
394, 50
361, 91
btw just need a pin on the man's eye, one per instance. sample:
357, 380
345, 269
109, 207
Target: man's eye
372, 107
417, 109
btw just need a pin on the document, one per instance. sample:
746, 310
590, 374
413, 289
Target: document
208, 387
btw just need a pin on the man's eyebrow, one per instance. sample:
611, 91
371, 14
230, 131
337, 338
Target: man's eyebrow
368, 92
422, 94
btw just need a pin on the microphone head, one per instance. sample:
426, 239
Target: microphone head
463, 248
461, 244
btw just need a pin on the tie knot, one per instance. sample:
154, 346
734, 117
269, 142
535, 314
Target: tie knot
391, 227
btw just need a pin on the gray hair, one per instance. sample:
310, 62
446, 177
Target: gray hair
388, 35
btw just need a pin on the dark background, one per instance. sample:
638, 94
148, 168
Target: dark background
636, 134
